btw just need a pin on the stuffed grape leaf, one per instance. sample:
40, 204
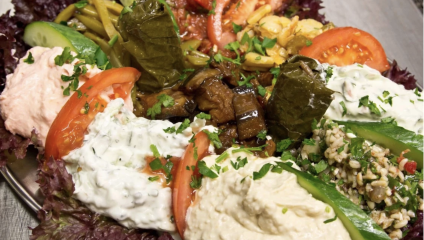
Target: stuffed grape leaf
299, 97
149, 36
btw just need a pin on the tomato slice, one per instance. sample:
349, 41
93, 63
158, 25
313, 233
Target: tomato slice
410, 167
345, 46
69, 126
206, 4
215, 28
182, 192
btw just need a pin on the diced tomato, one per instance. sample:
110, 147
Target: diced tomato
345, 46
410, 167
68, 128
182, 192
206, 4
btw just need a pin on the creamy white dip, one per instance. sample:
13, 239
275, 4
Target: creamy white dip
33, 95
353, 82
229, 207
107, 169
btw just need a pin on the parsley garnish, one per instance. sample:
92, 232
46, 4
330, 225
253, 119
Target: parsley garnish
184, 125
328, 74
205, 171
262, 172
212, 11
203, 115
386, 94
165, 100
364, 101
285, 210
153, 179
239, 163
416, 91
283, 145
261, 90
248, 150
65, 57
154, 150
185, 71
213, 136
340, 149
29, 59
344, 108
221, 157
196, 182
156, 164
81, 4
262, 135
331, 219
389, 120
321, 166
308, 43
310, 142
246, 80
269, 43
86, 108
237, 28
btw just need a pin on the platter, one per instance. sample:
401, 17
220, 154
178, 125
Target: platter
21, 174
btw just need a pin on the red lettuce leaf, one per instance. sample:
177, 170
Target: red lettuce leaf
415, 230
11, 143
400, 76
64, 217
304, 9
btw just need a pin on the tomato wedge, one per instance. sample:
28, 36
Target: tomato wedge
69, 126
182, 192
215, 29
345, 46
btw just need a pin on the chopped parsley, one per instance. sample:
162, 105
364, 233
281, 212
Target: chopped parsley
389, 120
81, 4
241, 162
331, 219
321, 166
237, 28
310, 142
196, 182
203, 115
364, 101
65, 57
262, 135
153, 179
183, 126
386, 94
261, 90
165, 100
246, 80
86, 108
262, 172
212, 11
258, 58
328, 73
417, 92
154, 150
285, 210
283, 145
344, 108
308, 43
340, 149
221, 157
29, 59
214, 137
205, 171
269, 43
249, 149
185, 71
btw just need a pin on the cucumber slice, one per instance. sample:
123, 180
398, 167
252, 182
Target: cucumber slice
49, 34
393, 137
356, 222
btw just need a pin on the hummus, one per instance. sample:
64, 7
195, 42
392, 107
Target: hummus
234, 206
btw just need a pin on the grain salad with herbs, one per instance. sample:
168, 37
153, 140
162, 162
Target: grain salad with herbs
382, 184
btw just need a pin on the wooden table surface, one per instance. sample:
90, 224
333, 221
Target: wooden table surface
398, 25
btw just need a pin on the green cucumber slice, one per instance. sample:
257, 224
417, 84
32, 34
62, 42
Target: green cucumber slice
393, 137
356, 222
49, 34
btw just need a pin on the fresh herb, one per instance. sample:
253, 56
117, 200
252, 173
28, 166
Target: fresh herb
340, 149
155, 151
165, 100
212, 11
196, 182
238, 5
86, 107
156, 164
331, 219
275, 71
364, 101
184, 75
283, 145
262, 172
239, 163
417, 92
269, 43
237, 28
153, 179
203, 115
344, 108
219, 58
389, 120
258, 58
205, 171
310, 142
360, 65
321, 166
261, 135
221, 157
216, 168
29, 59
81, 4
386, 94
183, 126
225, 169
328, 73
214, 137
286, 156
65, 57
169, 130
261, 90
285, 210
308, 43
246, 80
249, 149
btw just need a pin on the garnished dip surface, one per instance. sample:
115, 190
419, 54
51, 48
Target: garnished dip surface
211, 120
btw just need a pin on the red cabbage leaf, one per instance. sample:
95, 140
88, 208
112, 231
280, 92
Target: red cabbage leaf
400, 76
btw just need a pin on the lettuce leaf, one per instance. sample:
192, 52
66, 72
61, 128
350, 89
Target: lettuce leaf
400, 76
12, 144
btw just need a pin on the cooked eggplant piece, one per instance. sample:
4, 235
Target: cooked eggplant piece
230, 72
196, 79
214, 96
183, 105
249, 113
149, 36
298, 98
227, 137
